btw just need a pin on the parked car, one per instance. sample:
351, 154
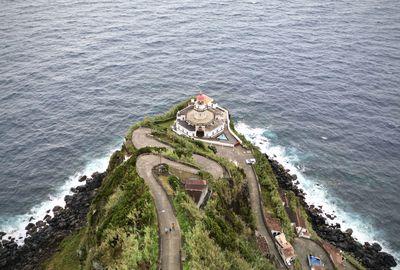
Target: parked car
315, 263
251, 161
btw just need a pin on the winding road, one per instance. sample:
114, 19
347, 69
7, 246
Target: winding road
239, 154
170, 242
142, 137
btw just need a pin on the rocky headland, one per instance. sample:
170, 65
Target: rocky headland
44, 236
370, 255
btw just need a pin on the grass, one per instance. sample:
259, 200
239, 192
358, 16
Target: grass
183, 175
226, 226
297, 264
294, 203
353, 261
122, 230
270, 193
167, 123
164, 182
68, 257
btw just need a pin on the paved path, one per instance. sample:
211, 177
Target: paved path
141, 137
239, 154
304, 247
170, 242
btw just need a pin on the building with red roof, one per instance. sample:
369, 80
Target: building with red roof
197, 190
202, 118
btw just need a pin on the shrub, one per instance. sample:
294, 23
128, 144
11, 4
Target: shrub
174, 182
213, 148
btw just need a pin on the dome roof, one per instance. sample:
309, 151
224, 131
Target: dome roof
201, 98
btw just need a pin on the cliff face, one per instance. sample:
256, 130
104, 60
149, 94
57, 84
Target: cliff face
110, 222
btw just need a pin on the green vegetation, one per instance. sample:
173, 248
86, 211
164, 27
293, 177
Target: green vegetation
233, 248
68, 256
122, 230
163, 122
226, 225
213, 148
294, 203
174, 182
270, 194
353, 261
297, 264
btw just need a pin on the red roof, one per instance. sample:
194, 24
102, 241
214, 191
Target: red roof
195, 184
201, 98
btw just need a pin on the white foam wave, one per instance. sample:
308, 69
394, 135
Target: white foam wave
316, 193
15, 226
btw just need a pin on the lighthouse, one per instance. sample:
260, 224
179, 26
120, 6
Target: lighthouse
202, 118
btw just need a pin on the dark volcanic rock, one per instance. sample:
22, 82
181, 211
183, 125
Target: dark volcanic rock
57, 209
370, 255
45, 237
29, 226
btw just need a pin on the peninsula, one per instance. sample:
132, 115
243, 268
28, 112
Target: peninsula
186, 191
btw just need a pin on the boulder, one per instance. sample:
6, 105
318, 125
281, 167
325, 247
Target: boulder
29, 226
57, 209
376, 247
40, 223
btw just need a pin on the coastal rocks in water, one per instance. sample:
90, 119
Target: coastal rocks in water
331, 217
40, 224
29, 226
57, 209
349, 231
46, 234
370, 255
47, 218
83, 178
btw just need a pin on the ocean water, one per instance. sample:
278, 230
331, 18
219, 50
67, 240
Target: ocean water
315, 83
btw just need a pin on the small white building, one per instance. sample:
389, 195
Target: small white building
202, 118
285, 249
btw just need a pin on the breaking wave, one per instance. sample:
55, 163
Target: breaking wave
362, 230
15, 226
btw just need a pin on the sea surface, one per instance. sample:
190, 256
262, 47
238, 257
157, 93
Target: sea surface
314, 83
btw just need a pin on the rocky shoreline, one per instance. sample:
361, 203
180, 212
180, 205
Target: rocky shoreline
370, 255
43, 236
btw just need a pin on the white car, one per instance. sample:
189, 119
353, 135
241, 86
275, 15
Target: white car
251, 161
